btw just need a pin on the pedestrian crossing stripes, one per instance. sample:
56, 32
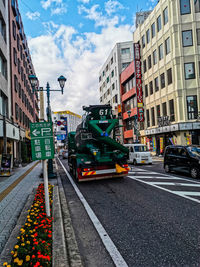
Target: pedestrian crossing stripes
169, 183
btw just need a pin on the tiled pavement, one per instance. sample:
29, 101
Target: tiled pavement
12, 204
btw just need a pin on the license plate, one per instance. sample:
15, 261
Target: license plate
143, 161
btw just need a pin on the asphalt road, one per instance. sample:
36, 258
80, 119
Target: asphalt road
148, 225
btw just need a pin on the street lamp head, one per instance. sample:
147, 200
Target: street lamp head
62, 81
33, 80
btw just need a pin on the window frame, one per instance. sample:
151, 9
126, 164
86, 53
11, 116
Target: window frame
187, 63
184, 45
185, 13
167, 51
164, 16
159, 20
192, 112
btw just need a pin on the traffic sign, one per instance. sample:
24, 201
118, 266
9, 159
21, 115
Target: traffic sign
59, 123
42, 145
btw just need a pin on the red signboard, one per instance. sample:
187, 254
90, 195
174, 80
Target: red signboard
140, 109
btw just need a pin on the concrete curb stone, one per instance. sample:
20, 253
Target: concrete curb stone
70, 239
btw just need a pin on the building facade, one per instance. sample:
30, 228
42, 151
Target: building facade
170, 54
64, 122
109, 75
24, 104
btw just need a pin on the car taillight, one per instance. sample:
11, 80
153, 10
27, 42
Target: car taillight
86, 170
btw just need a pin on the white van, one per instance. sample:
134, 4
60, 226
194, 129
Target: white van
139, 154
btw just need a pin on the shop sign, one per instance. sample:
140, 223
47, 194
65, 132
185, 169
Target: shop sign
196, 125
42, 145
161, 145
166, 129
154, 144
163, 121
174, 127
140, 109
185, 126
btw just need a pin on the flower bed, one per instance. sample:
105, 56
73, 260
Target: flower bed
34, 246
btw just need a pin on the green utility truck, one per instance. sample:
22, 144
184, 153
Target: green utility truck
93, 151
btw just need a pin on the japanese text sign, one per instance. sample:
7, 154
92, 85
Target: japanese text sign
42, 145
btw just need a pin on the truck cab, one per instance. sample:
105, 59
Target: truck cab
139, 154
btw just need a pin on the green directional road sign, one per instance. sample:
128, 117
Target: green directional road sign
42, 145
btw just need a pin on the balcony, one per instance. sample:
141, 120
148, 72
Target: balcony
128, 94
133, 113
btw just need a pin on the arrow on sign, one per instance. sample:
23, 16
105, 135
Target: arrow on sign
35, 132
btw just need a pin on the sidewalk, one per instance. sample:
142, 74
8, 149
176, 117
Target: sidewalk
158, 158
16, 196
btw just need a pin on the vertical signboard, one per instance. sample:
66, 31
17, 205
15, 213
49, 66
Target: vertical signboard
42, 146
41, 105
140, 109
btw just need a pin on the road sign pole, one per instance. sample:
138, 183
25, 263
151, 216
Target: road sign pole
46, 187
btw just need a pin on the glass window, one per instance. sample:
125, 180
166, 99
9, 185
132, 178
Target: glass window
158, 111
185, 7
148, 36
192, 108
197, 5
3, 65
153, 30
159, 24
160, 51
162, 80
167, 46
146, 90
148, 118
171, 110
149, 61
169, 76
143, 41
107, 79
165, 16
151, 87
164, 109
156, 84
125, 65
187, 38
189, 71
152, 117
125, 51
155, 57
198, 36
144, 66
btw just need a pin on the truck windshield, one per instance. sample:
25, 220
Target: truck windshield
141, 148
194, 150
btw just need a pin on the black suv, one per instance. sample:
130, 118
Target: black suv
183, 159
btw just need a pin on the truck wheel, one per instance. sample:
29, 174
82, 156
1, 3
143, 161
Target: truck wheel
194, 172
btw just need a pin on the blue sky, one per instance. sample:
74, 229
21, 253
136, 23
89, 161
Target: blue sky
74, 38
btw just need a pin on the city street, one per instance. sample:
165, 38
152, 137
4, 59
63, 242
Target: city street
149, 218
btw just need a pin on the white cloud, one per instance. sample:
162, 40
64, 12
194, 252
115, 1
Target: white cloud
79, 58
48, 3
100, 19
84, 1
59, 10
33, 16
113, 6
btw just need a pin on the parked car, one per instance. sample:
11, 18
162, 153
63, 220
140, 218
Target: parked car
183, 159
139, 154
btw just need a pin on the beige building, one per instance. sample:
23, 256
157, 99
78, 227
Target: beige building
170, 57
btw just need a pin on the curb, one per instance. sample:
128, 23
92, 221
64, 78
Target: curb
6, 253
70, 239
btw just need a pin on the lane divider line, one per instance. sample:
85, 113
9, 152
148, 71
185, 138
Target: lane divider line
16, 182
164, 189
108, 243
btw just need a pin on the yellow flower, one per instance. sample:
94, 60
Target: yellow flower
30, 231
8, 265
20, 262
5, 264
15, 255
12, 252
28, 258
16, 247
22, 244
28, 242
18, 237
16, 259
28, 217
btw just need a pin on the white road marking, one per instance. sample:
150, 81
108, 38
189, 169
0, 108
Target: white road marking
185, 193
108, 243
164, 189
156, 177
176, 184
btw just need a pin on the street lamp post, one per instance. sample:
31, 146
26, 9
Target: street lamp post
34, 81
